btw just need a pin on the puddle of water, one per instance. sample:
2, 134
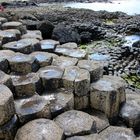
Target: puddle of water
130, 7
132, 38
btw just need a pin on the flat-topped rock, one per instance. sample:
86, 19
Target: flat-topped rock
49, 45
40, 129
64, 62
130, 111
76, 123
8, 130
76, 79
76, 53
23, 64
7, 36
117, 133
3, 20
95, 68
51, 77
70, 45
6, 54
43, 58
7, 108
32, 108
26, 85
14, 25
33, 34
107, 94
86, 137
60, 101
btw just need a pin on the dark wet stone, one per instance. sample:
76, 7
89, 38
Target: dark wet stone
40, 129
23, 64
7, 36
130, 111
60, 101
43, 58
8, 130
76, 123
33, 34
51, 77
95, 68
107, 94
76, 79
26, 85
76, 53
49, 45
70, 45
136, 44
3, 20
117, 133
32, 108
86, 137
14, 25
7, 108
64, 62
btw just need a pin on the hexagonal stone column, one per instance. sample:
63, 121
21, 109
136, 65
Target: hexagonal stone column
49, 45
14, 25
7, 36
70, 45
7, 108
130, 111
107, 94
23, 64
51, 77
60, 101
33, 34
4, 55
117, 133
95, 68
64, 62
38, 129
32, 108
26, 85
43, 58
76, 123
8, 130
76, 79
3, 20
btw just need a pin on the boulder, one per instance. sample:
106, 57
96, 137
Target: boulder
49, 45
51, 77
7, 108
3, 20
65, 34
32, 108
23, 64
40, 129
76, 123
14, 25
107, 94
26, 85
43, 58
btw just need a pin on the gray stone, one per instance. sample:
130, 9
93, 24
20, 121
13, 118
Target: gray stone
86, 137
43, 58
32, 108
7, 108
64, 62
8, 130
23, 64
49, 45
40, 129
70, 45
76, 123
117, 133
14, 25
76, 79
33, 34
26, 85
107, 94
60, 101
3, 20
95, 68
51, 77
75, 53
